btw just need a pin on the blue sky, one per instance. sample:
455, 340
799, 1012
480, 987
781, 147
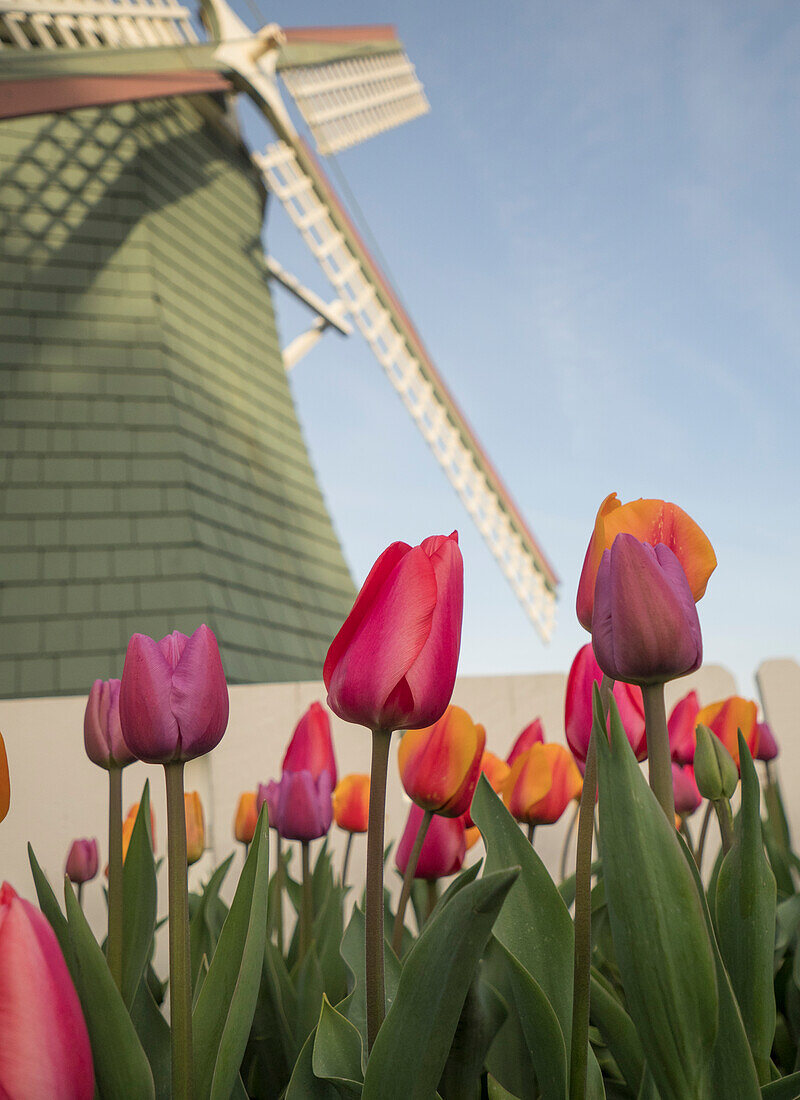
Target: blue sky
595, 231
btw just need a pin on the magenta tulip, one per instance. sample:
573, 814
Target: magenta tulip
443, 849
269, 793
102, 734
393, 663
687, 796
311, 747
645, 628
173, 700
305, 809
533, 734
82, 861
767, 745
681, 726
583, 675
44, 1045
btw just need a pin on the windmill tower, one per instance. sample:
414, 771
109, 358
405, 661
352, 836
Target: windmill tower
156, 474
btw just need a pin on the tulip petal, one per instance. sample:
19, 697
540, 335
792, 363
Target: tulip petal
591, 562
311, 747
5, 781
199, 696
149, 727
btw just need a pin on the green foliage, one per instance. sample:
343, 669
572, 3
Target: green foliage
139, 901
208, 913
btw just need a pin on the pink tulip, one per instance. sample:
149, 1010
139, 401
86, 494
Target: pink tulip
82, 861
44, 1045
681, 726
533, 734
173, 700
645, 628
269, 793
583, 674
767, 745
687, 796
102, 734
311, 747
443, 849
393, 663
305, 809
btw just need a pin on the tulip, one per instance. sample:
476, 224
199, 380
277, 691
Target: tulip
269, 793
304, 806
681, 726
645, 628
726, 717
533, 734
687, 796
5, 781
195, 827
102, 733
715, 770
767, 745
244, 825
44, 1045
351, 803
583, 674
541, 784
440, 765
82, 861
173, 699
443, 850
653, 522
311, 747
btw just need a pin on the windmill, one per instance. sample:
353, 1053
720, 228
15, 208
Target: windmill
68, 58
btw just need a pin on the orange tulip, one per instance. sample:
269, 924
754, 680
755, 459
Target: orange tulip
440, 765
244, 825
726, 717
5, 781
496, 771
351, 803
127, 830
195, 827
542, 783
471, 836
653, 522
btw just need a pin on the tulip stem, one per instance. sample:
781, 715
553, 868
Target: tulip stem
279, 891
307, 906
346, 860
180, 983
685, 832
722, 806
701, 843
531, 831
583, 914
562, 870
375, 996
658, 754
80, 894
408, 881
114, 943
433, 896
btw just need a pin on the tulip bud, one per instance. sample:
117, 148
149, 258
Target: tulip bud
173, 698
440, 765
351, 803
684, 787
102, 733
269, 793
44, 1044
715, 770
244, 825
304, 808
5, 781
195, 827
681, 725
82, 861
767, 745
726, 717
645, 628
311, 747
541, 784
578, 716
442, 851
393, 663
533, 734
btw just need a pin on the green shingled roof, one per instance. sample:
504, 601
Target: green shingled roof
154, 472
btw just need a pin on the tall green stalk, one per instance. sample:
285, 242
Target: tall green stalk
114, 942
722, 808
279, 870
307, 904
375, 995
658, 754
180, 982
408, 881
346, 860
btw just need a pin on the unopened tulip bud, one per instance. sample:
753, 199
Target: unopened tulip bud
82, 861
767, 745
102, 733
244, 825
715, 771
195, 827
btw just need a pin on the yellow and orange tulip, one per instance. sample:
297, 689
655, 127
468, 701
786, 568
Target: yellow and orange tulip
541, 784
244, 825
496, 771
726, 717
351, 803
195, 827
5, 781
440, 765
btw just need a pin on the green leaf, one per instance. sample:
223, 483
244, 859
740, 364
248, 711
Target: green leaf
354, 1006
224, 1011
327, 935
497, 1092
310, 991
139, 901
305, 1085
745, 912
787, 1088
52, 910
271, 1051
509, 1056
458, 883
120, 1064
567, 888
411, 1047
481, 1018
207, 919
661, 941
617, 1030
337, 1050
153, 1032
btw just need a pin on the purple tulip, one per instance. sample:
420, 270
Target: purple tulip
305, 810
645, 628
82, 861
767, 745
173, 699
102, 735
269, 793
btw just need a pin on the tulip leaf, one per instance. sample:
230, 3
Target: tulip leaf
48, 904
224, 1011
327, 938
661, 940
310, 987
337, 1050
207, 919
120, 1064
458, 883
617, 1030
534, 923
745, 919
354, 1006
786, 1088
139, 901
412, 1045
481, 1017
497, 1092
305, 1085
153, 1032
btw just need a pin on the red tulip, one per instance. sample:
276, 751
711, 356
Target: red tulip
82, 861
687, 796
533, 734
726, 718
393, 663
244, 825
645, 628
5, 781
542, 783
583, 674
767, 745
351, 803
173, 699
311, 747
681, 725
304, 806
440, 765
44, 1045
653, 522
443, 849
102, 734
